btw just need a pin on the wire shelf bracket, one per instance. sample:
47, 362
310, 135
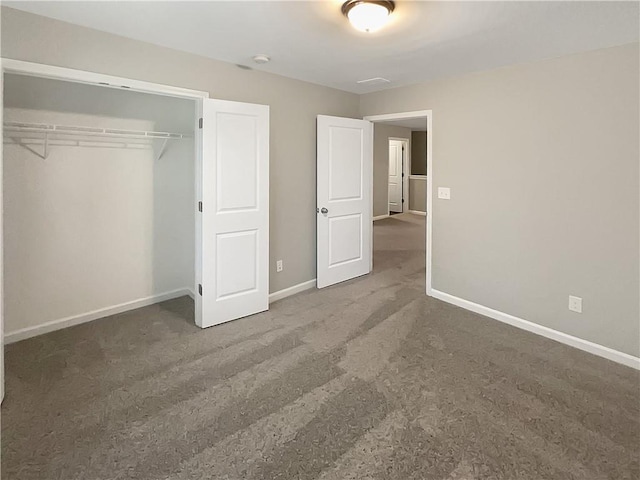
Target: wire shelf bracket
30, 135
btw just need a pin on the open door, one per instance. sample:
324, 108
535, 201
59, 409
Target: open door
344, 181
232, 251
396, 176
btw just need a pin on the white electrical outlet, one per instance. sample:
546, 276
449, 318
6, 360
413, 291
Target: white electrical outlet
279, 266
444, 193
575, 304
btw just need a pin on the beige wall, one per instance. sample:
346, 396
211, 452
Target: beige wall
542, 162
1, 232
419, 153
418, 194
381, 134
418, 186
293, 105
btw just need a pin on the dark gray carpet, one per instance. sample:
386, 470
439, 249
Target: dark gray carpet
365, 380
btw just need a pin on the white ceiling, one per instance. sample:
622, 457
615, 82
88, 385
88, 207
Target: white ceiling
312, 41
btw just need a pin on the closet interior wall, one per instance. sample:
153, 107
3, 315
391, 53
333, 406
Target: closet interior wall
95, 225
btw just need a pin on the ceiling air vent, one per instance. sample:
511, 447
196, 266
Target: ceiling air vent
373, 81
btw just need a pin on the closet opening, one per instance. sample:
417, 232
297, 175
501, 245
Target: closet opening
100, 201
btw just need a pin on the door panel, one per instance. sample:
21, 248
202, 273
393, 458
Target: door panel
344, 162
345, 226
237, 255
395, 176
235, 211
345, 169
236, 180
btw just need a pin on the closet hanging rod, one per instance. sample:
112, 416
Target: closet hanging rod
48, 129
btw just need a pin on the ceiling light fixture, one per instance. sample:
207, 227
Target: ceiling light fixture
368, 15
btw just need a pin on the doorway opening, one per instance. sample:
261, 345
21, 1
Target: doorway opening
98, 191
134, 189
230, 206
399, 162
402, 185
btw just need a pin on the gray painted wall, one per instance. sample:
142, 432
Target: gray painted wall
542, 162
418, 194
294, 106
418, 187
419, 153
381, 134
1, 243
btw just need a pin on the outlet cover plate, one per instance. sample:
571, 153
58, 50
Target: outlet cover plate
444, 193
575, 304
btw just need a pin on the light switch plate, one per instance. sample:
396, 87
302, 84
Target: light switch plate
575, 304
444, 193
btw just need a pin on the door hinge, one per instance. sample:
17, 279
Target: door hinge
200, 123
200, 289
200, 207
402, 174
403, 200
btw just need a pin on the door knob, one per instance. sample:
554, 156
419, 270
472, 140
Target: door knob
324, 210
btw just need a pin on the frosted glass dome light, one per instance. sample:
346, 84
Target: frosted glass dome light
368, 15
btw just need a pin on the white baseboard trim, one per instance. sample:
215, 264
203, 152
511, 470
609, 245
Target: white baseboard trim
418, 212
287, 292
24, 333
586, 345
380, 217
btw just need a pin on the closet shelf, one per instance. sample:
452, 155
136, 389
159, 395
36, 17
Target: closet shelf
46, 135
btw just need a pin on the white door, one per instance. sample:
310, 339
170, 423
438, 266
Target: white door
232, 259
395, 176
344, 179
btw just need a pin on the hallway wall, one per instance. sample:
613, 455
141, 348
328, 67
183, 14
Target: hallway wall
418, 194
381, 134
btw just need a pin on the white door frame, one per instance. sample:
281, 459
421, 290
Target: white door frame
8, 65
405, 169
428, 114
